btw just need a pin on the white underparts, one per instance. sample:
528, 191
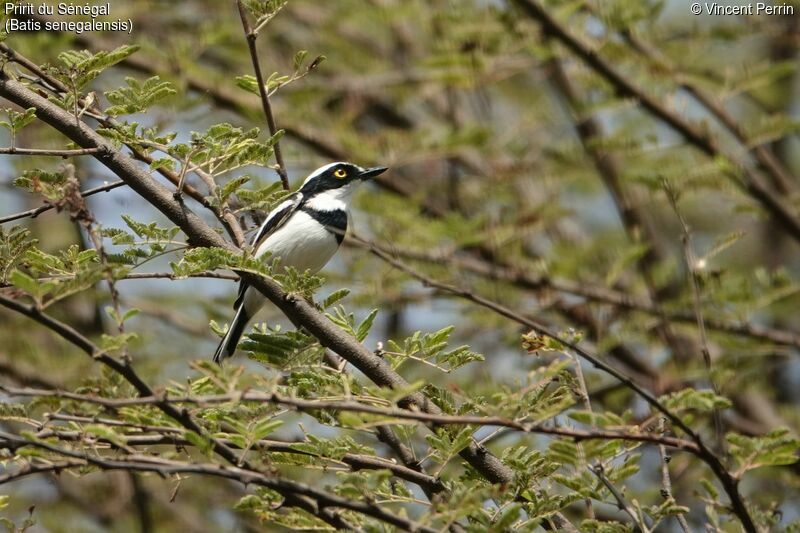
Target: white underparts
302, 243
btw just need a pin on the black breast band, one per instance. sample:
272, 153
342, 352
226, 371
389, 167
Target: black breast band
334, 221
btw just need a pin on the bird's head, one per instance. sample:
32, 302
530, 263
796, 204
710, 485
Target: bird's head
339, 178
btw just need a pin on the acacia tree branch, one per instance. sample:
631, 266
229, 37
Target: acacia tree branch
161, 435
316, 501
302, 312
523, 279
781, 176
356, 462
224, 215
752, 183
729, 483
298, 310
310, 405
129, 374
31, 469
252, 36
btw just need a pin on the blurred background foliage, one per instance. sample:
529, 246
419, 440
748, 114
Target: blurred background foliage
518, 172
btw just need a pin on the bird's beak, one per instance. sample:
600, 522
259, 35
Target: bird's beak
372, 172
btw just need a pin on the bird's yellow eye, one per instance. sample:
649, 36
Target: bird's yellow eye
340, 173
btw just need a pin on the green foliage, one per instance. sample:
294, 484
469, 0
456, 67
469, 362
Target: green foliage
703, 401
223, 148
347, 322
498, 187
335, 448
48, 184
263, 10
264, 198
446, 443
138, 97
53, 278
275, 80
302, 284
430, 348
17, 120
265, 504
14, 243
78, 68
245, 435
224, 192
282, 350
778, 447
146, 242
144, 138
199, 260
334, 298
117, 344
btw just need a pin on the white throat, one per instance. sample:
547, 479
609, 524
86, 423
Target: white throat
334, 199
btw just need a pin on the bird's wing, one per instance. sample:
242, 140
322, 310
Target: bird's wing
276, 218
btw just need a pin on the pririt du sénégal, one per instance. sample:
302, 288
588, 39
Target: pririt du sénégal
63, 8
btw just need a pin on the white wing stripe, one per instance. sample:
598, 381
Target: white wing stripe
279, 211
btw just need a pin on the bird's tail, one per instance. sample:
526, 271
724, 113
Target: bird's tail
227, 345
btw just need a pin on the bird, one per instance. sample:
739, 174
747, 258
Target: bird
304, 231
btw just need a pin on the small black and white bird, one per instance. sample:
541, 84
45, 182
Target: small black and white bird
304, 231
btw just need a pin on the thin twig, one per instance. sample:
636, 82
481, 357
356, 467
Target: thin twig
666, 481
33, 213
252, 36
697, 304
13, 150
598, 471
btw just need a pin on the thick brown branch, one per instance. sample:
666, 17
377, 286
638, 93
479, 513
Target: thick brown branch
199, 234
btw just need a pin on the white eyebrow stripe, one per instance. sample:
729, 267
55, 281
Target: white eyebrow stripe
322, 170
